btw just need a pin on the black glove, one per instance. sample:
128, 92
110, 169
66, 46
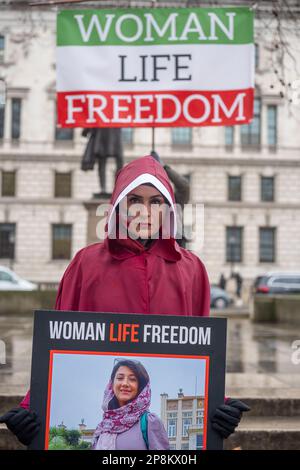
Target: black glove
227, 417
23, 423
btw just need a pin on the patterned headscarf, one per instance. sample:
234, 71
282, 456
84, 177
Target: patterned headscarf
120, 419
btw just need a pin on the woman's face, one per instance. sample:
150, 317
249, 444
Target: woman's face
125, 385
144, 213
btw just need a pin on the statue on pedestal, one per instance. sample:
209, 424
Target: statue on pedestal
103, 143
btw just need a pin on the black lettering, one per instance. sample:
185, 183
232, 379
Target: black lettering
156, 67
123, 79
178, 67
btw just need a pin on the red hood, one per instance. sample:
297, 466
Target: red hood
140, 171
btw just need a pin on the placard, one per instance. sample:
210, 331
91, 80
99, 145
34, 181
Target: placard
108, 381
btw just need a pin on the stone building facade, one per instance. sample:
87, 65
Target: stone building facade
247, 177
183, 419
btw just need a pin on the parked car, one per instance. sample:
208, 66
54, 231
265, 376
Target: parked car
11, 281
277, 283
219, 297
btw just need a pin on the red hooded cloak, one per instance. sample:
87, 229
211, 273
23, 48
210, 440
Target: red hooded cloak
121, 275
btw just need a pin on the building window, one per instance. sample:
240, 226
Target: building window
234, 244
16, 118
127, 136
272, 125
185, 446
8, 184
234, 188
267, 244
229, 136
172, 428
199, 441
2, 116
181, 135
2, 46
267, 188
63, 184
199, 418
63, 134
186, 422
7, 240
250, 133
61, 241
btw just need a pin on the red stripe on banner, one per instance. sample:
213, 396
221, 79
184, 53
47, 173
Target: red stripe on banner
154, 109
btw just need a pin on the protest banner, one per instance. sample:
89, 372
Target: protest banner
155, 67
74, 359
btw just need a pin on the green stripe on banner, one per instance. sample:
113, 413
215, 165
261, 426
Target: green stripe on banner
155, 26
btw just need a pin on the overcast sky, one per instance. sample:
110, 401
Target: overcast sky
79, 382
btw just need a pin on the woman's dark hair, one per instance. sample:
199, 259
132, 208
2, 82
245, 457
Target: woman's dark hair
139, 371
150, 184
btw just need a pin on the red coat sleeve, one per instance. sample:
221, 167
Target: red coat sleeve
201, 291
67, 298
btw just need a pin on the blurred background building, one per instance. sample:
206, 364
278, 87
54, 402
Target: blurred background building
247, 177
183, 420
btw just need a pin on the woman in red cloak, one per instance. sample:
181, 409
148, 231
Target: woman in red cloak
139, 268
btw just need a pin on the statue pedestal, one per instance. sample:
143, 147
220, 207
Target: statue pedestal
93, 219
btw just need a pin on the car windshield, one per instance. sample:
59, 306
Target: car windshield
6, 277
260, 280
